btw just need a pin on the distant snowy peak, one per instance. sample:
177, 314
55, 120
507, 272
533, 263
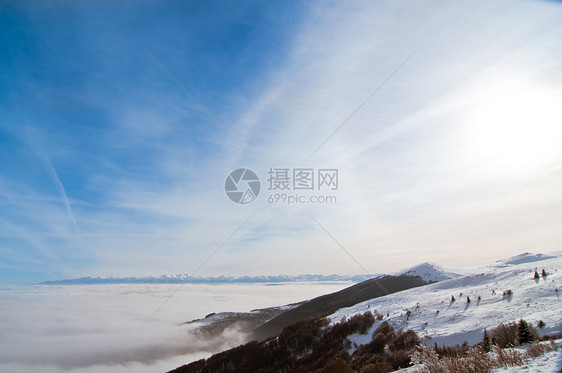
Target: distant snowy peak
429, 272
522, 259
184, 278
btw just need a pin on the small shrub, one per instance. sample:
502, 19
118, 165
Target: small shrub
538, 349
398, 360
377, 344
477, 360
424, 355
338, 365
404, 341
378, 367
541, 324
384, 328
507, 357
551, 337
505, 335
474, 361
378, 316
452, 351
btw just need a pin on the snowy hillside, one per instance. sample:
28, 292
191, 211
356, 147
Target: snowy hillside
429, 272
522, 259
430, 312
381, 334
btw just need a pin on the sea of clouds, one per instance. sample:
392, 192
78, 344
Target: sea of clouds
92, 328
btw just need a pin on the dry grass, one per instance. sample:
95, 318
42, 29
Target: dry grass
507, 357
540, 348
475, 361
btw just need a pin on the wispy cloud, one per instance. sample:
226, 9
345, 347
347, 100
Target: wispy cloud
148, 165
48, 166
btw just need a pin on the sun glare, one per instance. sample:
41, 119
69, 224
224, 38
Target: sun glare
517, 127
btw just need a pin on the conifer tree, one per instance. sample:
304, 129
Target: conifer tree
486, 342
537, 275
524, 334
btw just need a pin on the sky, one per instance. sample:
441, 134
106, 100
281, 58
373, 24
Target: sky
120, 122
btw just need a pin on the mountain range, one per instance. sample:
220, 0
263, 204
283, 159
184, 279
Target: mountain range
185, 278
429, 272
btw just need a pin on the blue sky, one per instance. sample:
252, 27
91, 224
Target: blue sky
107, 166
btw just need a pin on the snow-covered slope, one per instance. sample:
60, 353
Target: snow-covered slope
429, 272
522, 259
550, 362
429, 311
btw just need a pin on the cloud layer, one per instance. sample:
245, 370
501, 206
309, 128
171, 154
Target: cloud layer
84, 328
